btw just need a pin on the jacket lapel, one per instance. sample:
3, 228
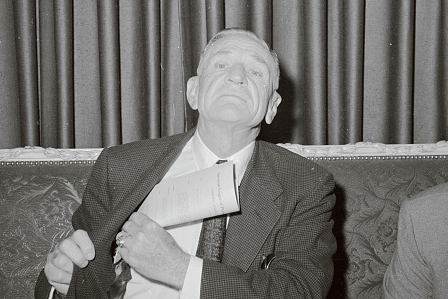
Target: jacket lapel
248, 229
141, 188
153, 175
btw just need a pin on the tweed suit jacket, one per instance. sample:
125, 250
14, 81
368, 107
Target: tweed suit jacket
286, 202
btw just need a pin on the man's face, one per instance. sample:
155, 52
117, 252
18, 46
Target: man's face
235, 82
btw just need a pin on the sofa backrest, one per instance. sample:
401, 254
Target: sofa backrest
41, 188
372, 180
39, 191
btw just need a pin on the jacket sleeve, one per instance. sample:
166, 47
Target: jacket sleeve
43, 287
408, 275
304, 245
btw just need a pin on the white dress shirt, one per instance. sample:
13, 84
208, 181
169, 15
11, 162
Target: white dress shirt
194, 156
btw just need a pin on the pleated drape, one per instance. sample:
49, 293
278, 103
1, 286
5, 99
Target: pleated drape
63, 21
26, 52
98, 73
109, 60
345, 71
388, 72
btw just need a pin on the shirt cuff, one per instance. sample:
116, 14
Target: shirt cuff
51, 293
55, 295
192, 283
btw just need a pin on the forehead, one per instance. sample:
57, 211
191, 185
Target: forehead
241, 44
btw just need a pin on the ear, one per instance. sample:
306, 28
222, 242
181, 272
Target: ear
274, 101
192, 92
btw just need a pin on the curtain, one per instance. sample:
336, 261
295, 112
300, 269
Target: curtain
82, 73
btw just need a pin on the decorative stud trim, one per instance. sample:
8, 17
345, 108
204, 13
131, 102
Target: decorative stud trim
371, 151
32, 155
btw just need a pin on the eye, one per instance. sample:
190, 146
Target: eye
220, 65
256, 73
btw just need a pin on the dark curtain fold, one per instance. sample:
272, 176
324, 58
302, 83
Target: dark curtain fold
98, 73
131, 30
48, 76
110, 83
389, 71
431, 71
152, 52
26, 55
315, 28
63, 21
10, 132
194, 37
345, 71
172, 90
214, 16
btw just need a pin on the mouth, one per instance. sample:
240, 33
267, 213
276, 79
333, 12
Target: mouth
231, 96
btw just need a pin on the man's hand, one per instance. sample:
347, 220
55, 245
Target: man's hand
151, 250
77, 249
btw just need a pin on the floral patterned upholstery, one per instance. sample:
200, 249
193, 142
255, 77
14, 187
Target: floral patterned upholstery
36, 205
369, 193
37, 200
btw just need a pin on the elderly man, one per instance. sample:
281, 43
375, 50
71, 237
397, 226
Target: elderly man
279, 245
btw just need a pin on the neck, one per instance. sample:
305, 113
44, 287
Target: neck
225, 141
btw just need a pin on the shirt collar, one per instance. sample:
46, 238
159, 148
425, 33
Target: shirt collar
204, 157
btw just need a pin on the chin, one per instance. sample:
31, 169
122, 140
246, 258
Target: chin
230, 120
230, 117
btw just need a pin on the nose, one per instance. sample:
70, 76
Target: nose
237, 75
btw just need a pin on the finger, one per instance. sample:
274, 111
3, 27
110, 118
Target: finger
82, 239
123, 250
139, 218
124, 253
130, 227
56, 275
73, 252
122, 235
61, 261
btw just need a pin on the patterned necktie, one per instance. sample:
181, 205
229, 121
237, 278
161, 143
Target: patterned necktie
212, 237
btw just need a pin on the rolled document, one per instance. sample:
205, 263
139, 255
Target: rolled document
205, 193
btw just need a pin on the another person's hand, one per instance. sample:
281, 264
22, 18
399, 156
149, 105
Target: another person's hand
150, 250
77, 249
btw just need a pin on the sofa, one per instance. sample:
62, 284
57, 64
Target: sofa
40, 188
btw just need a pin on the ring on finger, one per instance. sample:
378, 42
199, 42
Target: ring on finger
121, 237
